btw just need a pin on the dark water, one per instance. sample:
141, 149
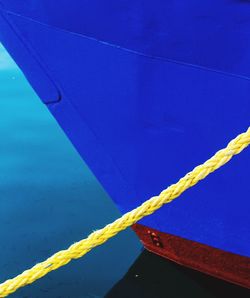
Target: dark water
49, 199
152, 276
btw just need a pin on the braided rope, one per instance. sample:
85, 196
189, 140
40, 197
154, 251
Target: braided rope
78, 249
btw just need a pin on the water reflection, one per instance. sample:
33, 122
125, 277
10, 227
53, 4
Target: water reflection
152, 276
49, 199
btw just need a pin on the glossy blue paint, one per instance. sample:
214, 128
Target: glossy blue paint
145, 92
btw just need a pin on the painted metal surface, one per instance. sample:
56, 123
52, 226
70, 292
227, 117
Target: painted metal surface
212, 261
145, 92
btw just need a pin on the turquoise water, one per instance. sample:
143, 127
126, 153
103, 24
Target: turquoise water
50, 199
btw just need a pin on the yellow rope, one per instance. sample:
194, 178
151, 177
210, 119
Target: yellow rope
98, 237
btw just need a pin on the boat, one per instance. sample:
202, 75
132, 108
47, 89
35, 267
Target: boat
146, 91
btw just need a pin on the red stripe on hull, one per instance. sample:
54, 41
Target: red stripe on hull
218, 263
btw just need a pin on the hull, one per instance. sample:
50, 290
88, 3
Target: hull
146, 93
215, 262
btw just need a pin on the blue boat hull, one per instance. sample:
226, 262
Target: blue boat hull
145, 93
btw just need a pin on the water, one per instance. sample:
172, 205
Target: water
50, 199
